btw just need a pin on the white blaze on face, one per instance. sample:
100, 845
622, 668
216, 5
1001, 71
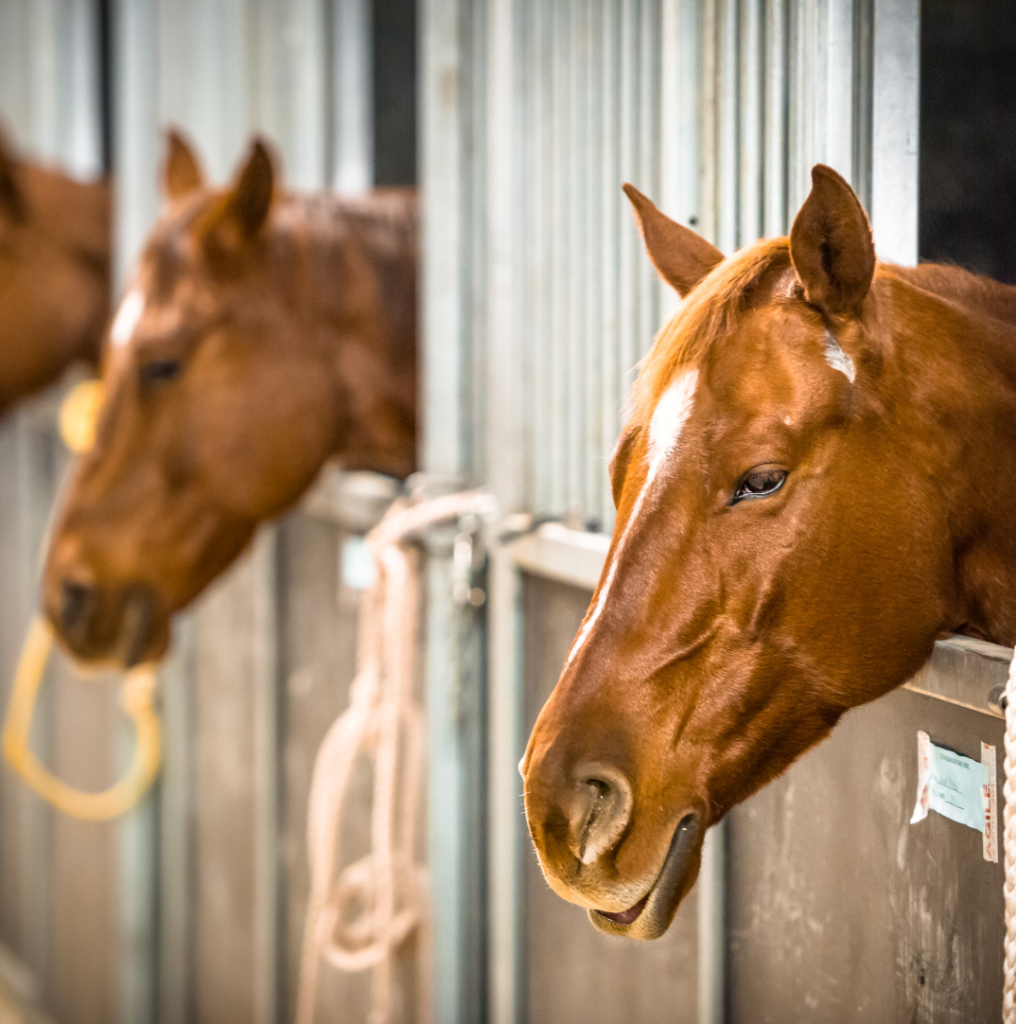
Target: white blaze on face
837, 358
670, 416
127, 318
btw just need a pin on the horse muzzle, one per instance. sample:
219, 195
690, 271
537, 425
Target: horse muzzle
96, 623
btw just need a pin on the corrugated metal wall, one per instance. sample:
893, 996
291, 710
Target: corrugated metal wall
717, 109
539, 300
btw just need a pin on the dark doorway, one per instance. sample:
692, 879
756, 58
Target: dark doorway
394, 31
968, 135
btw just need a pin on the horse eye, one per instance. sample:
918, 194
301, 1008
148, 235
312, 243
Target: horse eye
158, 371
759, 483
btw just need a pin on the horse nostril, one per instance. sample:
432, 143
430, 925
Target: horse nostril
603, 811
75, 601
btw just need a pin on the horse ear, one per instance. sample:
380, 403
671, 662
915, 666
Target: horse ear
181, 173
12, 202
236, 222
831, 246
681, 257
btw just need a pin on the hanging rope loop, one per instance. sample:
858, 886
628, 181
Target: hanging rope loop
1009, 843
360, 915
137, 700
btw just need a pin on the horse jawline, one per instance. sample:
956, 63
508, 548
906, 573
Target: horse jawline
676, 877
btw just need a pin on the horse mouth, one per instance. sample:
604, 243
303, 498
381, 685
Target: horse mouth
118, 631
650, 917
136, 629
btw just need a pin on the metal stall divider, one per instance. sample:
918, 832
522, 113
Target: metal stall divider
204, 900
51, 106
538, 300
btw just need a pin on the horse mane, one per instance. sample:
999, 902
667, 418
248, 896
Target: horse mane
707, 315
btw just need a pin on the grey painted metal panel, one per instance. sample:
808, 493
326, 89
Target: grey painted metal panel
840, 910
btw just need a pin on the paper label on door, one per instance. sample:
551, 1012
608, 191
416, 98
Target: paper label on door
951, 784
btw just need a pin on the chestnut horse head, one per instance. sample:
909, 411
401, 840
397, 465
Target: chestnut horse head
261, 335
818, 481
54, 274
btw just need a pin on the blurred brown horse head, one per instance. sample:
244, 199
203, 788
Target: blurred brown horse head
261, 335
54, 274
817, 483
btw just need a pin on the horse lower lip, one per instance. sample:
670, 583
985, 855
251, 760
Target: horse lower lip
666, 890
629, 915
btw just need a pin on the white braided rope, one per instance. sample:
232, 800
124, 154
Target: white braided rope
359, 917
1009, 842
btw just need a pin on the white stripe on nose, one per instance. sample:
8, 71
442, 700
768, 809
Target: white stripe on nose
127, 318
669, 417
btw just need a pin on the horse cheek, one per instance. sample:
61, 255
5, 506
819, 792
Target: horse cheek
286, 436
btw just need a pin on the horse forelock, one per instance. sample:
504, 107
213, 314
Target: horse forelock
707, 315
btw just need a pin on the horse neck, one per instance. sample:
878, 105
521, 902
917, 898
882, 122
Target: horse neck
78, 217
370, 248
960, 377
970, 290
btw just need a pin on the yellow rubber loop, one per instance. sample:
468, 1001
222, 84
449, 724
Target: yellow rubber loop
79, 414
137, 699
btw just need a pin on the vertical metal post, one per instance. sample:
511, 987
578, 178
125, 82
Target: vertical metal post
505, 465
35, 826
136, 135
507, 973
613, 220
136, 140
776, 99
352, 96
174, 795
727, 107
268, 991
444, 386
751, 117
712, 928
505, 388
840, 83
455, 839
895, 124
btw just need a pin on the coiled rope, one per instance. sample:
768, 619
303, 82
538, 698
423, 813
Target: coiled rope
78, 415
358, 917
1009, 843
